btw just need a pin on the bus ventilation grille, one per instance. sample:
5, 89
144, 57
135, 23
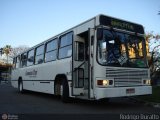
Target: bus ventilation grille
127, 77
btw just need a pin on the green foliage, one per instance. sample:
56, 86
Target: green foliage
155, 97
7, 49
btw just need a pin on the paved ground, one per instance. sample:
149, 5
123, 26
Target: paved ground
12, 102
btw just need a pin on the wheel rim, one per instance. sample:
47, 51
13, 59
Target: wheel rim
61, 90
20, 87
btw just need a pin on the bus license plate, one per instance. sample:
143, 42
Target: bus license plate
130, 90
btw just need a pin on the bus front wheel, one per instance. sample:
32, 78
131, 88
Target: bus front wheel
65, 92
62, 89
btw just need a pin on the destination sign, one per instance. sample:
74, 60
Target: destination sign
120, 24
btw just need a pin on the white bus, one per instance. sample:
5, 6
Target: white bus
103, 57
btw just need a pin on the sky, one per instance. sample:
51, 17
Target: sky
29, 22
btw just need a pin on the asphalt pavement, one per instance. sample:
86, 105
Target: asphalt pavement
33, 104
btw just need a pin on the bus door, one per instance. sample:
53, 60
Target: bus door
82, 65
90, 61
78, 66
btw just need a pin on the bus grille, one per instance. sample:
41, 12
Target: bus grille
126, 76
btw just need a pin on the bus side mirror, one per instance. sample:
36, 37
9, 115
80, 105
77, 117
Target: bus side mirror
99, 34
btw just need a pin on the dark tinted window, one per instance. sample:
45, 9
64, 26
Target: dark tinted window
39, 59
30, 60
14, 62
79, 51
24, 59
39, 54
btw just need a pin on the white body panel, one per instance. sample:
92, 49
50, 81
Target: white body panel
44, 80
121, 92
38, 86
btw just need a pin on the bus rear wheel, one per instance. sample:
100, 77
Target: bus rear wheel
20, 86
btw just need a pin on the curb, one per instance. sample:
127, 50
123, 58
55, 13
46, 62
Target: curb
152, 104
155, 105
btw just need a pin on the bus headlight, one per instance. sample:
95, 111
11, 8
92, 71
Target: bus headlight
147, 82
105, 82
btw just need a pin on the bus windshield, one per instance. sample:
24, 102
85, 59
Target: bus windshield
121, 50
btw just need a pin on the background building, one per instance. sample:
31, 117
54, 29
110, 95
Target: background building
5, 69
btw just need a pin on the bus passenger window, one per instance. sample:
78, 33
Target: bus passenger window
24, 59
65, 49
39, 58
30, 60
65, 52
14, 63
18, 62
51, 51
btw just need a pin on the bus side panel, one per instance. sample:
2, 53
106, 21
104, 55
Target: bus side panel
14, 78
44, 87
41, 77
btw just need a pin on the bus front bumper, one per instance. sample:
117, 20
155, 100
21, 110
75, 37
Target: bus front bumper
122, 91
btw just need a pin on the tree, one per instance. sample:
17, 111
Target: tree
7, 50
17, 50
152, 46
153, 54
12, 52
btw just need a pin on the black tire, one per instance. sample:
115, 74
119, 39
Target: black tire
20, 86
57, 89
65, 95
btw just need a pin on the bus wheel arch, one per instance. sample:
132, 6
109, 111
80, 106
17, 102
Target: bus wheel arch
61, 87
